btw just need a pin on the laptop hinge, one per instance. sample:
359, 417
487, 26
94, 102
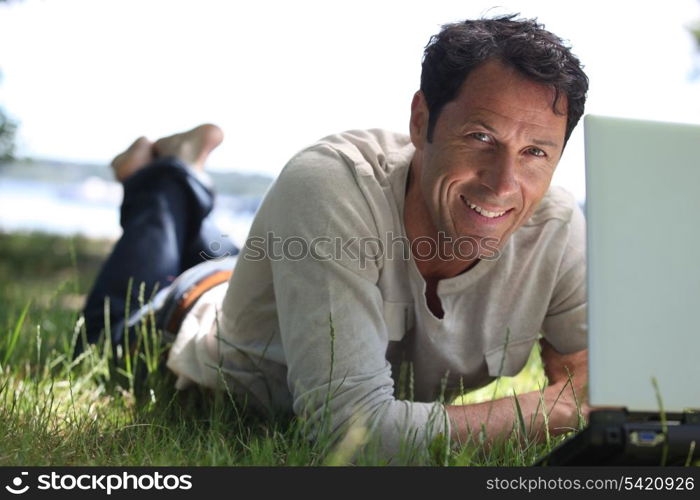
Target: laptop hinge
620, 415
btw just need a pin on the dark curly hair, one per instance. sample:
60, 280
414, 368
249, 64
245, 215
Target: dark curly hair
523, 44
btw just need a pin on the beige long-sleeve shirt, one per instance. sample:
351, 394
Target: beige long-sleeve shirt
316, 305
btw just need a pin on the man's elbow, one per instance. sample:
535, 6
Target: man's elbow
562, 368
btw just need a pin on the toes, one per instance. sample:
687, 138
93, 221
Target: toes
138, 143
141, 144
135, 157
117, 160
212, 134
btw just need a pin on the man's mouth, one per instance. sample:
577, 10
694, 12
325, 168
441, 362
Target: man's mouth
482, 211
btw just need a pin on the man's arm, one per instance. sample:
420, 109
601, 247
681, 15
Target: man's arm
563, 397
564, 327
330, 309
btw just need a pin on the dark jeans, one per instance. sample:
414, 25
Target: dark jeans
166, 230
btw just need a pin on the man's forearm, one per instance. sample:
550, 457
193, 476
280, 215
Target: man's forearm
499, 417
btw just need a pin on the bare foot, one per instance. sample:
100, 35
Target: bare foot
193, 146
137, 156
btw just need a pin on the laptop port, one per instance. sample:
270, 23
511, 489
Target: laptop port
646, 438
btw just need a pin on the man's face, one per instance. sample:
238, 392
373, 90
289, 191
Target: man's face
493, 153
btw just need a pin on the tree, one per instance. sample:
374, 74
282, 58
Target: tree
7, 137
8, 127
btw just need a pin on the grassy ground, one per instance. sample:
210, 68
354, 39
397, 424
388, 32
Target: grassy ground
97, 410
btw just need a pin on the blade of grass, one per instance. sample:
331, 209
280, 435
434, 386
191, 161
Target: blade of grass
691, 452
14, 336
545, 417
521, 419
664, 424
127, 350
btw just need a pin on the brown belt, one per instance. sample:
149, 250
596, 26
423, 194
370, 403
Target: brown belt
190, 297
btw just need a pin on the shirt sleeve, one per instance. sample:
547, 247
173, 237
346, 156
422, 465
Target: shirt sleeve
565, 325
330, 308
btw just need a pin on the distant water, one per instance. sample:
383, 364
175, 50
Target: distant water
91, 208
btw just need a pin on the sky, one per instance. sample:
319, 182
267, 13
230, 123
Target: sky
86, 77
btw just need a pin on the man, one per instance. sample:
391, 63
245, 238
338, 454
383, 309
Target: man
317, 321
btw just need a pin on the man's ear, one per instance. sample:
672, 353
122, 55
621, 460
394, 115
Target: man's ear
419, 120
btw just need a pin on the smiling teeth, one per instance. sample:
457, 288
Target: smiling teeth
483, 211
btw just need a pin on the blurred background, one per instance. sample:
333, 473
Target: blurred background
81, 79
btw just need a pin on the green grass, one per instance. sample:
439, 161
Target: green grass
98, 410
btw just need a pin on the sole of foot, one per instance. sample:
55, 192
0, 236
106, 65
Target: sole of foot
136, 156
192, 147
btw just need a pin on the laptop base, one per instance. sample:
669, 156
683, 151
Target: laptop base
616, 437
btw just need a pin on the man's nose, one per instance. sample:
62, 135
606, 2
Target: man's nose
500, 177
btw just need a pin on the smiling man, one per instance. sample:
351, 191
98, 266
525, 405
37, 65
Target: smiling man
386, 273
482, 168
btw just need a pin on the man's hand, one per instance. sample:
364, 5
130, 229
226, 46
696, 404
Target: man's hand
564, 397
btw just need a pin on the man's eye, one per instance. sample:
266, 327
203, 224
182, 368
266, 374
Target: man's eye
480, 136
536, 152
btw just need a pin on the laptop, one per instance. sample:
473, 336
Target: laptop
643, 243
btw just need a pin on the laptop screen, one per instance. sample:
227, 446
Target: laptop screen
643, 228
